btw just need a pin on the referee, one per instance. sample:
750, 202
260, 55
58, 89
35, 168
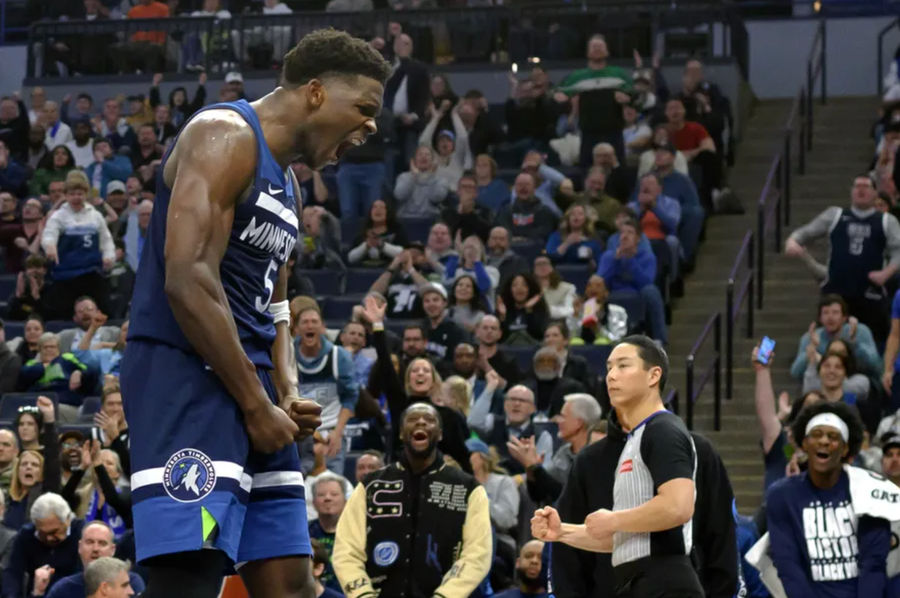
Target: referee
648, 530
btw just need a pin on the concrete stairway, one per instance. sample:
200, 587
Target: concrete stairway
841, 149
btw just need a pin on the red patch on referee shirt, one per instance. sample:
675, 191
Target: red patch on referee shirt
626, 466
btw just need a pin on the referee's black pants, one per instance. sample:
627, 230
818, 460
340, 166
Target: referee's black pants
658, 577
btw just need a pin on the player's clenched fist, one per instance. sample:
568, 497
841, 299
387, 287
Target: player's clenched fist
305, 413
270, 429
545, 525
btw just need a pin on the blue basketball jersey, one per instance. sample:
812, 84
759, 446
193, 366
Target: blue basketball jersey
262, 238
857, 248
79, 252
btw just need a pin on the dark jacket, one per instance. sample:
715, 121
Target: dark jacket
34, 377
581, 574
577, 368
549, 395
485, 133
14, 133
531, 119
507, 367
9, 368
477, 222
29, 553
528, 219
417, 88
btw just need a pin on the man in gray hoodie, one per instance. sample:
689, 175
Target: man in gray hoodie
420, 191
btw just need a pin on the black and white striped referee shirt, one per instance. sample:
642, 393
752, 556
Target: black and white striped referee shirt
657, 450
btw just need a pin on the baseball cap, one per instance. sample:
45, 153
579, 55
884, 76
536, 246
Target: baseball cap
71, 434
890, 440
115, 187
476, 445
447, 133
665, 146
433, 287
234, 77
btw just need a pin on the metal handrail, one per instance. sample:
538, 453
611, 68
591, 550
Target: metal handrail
764, 215
733, 306
671, 400
714, 369
880, 51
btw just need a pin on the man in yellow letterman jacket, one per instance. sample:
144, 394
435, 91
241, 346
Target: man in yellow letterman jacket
417, 528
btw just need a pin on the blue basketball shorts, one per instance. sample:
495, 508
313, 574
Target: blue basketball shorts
196, 482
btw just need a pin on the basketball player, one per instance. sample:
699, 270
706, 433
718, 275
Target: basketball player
208, 381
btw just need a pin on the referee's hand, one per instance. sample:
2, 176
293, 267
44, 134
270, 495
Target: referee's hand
546, 525
599, 524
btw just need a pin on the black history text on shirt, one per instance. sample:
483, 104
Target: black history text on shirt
830, 532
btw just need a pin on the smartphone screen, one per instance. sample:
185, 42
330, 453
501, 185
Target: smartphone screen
766, 346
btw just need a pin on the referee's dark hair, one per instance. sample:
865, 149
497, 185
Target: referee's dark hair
651, 354
840, 409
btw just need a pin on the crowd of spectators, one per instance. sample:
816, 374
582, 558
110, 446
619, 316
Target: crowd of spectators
843, 409
493, 262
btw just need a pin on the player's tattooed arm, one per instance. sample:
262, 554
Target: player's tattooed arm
211, 168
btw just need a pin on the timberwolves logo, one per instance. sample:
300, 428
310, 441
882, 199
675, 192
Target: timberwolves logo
385, 553
189, 476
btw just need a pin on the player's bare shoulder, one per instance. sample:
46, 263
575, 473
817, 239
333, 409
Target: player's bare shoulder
220, 141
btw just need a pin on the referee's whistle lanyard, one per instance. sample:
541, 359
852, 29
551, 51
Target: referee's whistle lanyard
646, 419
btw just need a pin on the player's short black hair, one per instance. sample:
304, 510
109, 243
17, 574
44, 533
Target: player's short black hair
651, 353
840, 409
330, 52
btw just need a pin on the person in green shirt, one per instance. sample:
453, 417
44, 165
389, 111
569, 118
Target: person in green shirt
601, 90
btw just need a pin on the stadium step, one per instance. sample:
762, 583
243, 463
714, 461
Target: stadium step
841, 149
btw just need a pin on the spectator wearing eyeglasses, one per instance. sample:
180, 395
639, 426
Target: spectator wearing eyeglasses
70, 445
45, 549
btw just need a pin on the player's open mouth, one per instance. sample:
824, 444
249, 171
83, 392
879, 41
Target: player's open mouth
823, 456
346, 145
420, 438
28, 478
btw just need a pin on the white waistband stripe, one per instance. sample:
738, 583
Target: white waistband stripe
223, 469
271, 479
